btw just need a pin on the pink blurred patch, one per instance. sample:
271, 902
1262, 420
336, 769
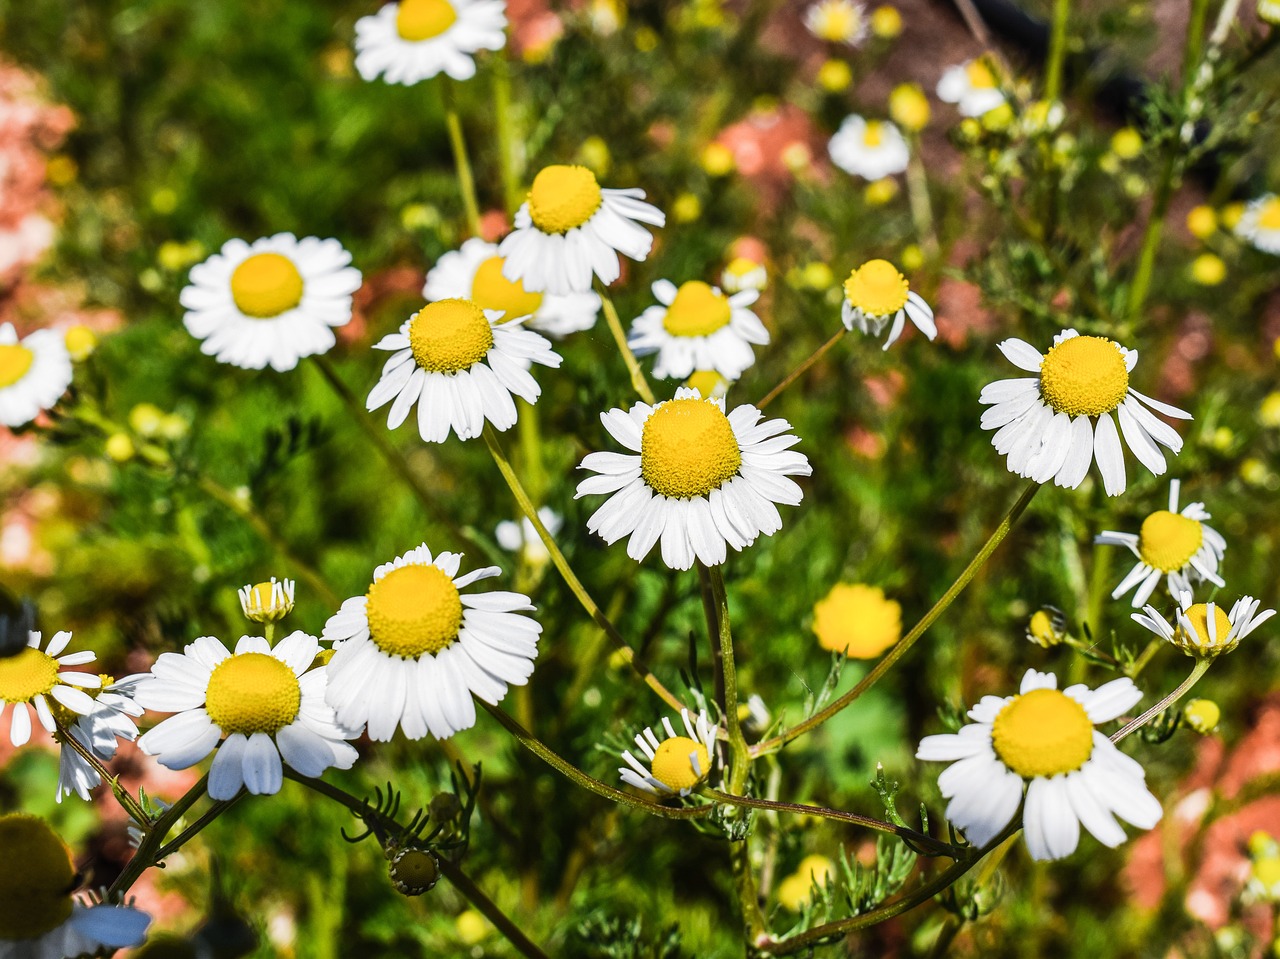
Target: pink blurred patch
760, 142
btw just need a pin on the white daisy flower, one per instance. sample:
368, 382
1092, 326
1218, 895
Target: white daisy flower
35, 679
110, 720
1179, 546
744, 274
837, 21
1269, 11
876, 293
972, 86
474, 272
266, 701
271, 302
1045, 424
461, 366
520, 537
696, 327
1204, 630
413, 40
1046, 740
39, 918
698, 480
267, 602
677, 764
1259, 224
34, 374
569, 227
871, 149
414, 649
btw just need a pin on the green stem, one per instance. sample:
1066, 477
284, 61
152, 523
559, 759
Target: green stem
800, 370
918, 198
127, 802
466, 181
508, 163
1146, 656
153, 839
638, 380
213, 812
1057, 51
1201, 667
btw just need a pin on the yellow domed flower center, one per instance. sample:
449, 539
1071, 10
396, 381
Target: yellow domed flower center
563, 197
1198, 616
1167, 541
672, 766
1269, 215
414, 871
708, 383
688, 449
492, 291
1084, 376
697, 310
27, 675
266, 285
980, 75
414, 610
877, 288
1042, 733
418, 20
838, 22
252, 693
873, 135
857, 620
449, 336
15, 361
37, 881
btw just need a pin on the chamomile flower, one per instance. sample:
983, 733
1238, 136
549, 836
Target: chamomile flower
1205, 630
1053, 425
474, 272
876, 293
570, 227
744, 274
1260, 223
99, 732
696, 479
520, 537
35, 679
264, 703
871, 149
39, 918
857, 620
414, 649
1177, 545
696, 327
461, 365
972, 86
677, 763
414, 40
267, 602
270, 302
1045, 740
837, 21
34, 373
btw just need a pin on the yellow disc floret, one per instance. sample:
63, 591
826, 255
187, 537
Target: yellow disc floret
980, 75
492, 291
1167, 541
873, 134
37, 881
266, 285
1084, 376
252, 693
697, 310
1269, 214
414, 610
563, 197
29, 674
1042, 733
877, 288
673, 763
15, 361
688, 449
838, 21
1201, 642
418, 20
449, 336
857, 620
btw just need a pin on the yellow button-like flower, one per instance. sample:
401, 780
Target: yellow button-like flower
857, 620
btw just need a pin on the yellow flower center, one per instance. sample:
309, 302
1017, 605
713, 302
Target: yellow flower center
1267, 872
873, 136
838, 22
414, 610
1043, 628
1198, 615
418, 20
27, 675
877, 288
414, 871
266, 285
1084, 376
708, 383
252, 693
1167, 541
15, 361
1269, 214
449, 336
688, 449
980, 75
697, 310
36, 885
672, 766
1042, 733
267, 603
67, 717
563, 197
740, 266
857, 620
492, 291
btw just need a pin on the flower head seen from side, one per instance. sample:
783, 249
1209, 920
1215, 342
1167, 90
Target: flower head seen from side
36, 679
474, 272
696, 479
972, 86
34, 373
696, 327
871, 149
99, 732
1045, 424
270, 302
743, 273
1205, 630
876, 293
461, 365
264, 703
414, 40
837, 21
678, 763
521, 538
267, 602
39, 918
857, 620
1260, 223
1044, 740
1176, 545
570, 228
414, 649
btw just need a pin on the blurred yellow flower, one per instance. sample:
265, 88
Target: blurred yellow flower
119, 447
834, 76
1208, 269
646, 39
881, 191
717, 159
686, 208
909, 107
164, 200
145, 419
595, 156
1126, 143
796, 156
1202, 715
1047, 627
795, 891
175, 257
1202, 222
708, 383
419, 216
80, 342
912, 257
998, 118
813, 276
1229, 215
886, 22
61, 170
1269, 411
472, 927
1254, 472
857, 620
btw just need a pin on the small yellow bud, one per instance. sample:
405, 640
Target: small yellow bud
419, 216
912, 258
164, 200
145, 419
909, 107
1229, 215
174, 426
1208, 269
970, 130
1266, 877
834, 76
686, 208
1222, 438
1269, 411
81, 342
174, 257
595, 156
472, 927
708, 383
1202, 222
120, 448
998, 119
886, 22
1126, 143
796, 156
1109, 163
817, 276
717, 159
1254, 472
881, 191
646, 40
1048, 627
1262, 844
61, 170
1202, 715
